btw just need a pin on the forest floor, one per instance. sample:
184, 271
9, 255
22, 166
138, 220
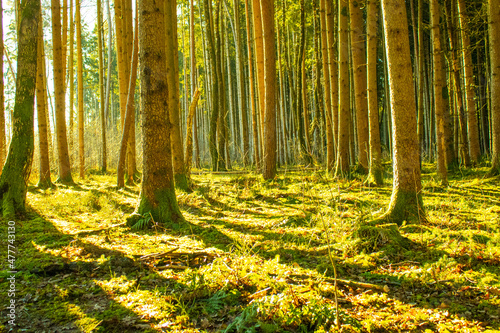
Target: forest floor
252, 256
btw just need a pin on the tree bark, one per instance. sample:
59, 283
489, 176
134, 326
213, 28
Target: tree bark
2, 98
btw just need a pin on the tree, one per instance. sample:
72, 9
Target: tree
470, 94
376, 172
439, 86
79, 74
359, 77
59, 96
101, 86
269, 165
406, 200
157, 197
43, 142
494, 34
16, 171
342, 166
242, 96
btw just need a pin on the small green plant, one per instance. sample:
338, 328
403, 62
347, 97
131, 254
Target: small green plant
144, 222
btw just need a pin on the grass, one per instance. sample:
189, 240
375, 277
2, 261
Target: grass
252, 256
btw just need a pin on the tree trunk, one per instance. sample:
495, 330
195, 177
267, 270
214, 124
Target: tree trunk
252, 89
157, 199
259, 61
406, 201
342, 166
108, 81
101, 87
470, 95
130, 114
16, 171
189, 137
43, 143
173, 96
60, 98
494, 33
79, 62
71, 77
358, 53
376, 172
439, 89
269, 165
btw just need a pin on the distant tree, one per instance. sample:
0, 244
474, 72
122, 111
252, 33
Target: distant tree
16, 171
157, 187
406, 201
494, 34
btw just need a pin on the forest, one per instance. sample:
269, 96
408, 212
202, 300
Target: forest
250, 166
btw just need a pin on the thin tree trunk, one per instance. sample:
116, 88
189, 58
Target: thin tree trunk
2, 97
494, 34
101, 86
60, 110
79, 61
43, 143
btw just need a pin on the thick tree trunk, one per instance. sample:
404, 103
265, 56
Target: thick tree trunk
157, 198
494, 33
406, 201
376, 172
60, 98
16, 171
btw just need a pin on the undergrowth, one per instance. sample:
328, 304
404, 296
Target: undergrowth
253, 256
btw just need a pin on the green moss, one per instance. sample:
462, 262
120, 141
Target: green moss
404, 206
165, 212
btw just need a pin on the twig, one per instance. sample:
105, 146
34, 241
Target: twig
158, 255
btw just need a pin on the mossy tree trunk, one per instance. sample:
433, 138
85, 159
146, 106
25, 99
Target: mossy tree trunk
59, 96
157, 187
494, 33
17, 167
376, 172
406, 201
